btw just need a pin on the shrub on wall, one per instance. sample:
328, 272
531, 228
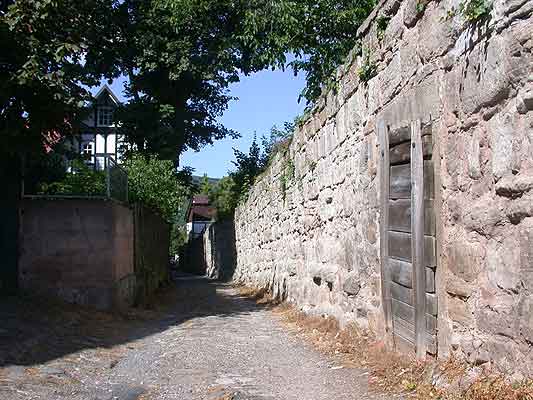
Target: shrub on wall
82, 180
155, 183
158, 185
475, 10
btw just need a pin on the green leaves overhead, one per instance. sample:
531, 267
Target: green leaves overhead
42, 72
180, 57
320, 33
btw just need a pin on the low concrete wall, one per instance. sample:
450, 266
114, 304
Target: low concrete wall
9, 224
92, 252
78, 250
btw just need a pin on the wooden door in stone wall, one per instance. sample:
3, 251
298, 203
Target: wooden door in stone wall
408, 237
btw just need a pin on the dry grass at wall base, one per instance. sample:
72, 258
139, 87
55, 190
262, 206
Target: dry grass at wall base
449, 379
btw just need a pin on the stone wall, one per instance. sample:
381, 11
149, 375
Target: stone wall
310, 230
219, 250
152, 243
192, 258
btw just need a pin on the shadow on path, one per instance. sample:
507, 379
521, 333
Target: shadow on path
34, 331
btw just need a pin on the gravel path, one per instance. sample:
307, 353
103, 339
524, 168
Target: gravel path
209, 344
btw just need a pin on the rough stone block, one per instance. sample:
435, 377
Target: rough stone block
497, 313
525, 102
515, 185
484, 215
458, 311
465, 259
520, 209
411, 13
351, 285
435, 38
502, 132
458, 287
503, 263
526, 318
485, 79
526, 254
473, 156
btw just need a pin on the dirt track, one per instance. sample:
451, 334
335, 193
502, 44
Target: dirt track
207, 343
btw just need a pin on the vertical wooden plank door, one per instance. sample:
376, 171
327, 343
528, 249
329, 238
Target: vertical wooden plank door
408, 237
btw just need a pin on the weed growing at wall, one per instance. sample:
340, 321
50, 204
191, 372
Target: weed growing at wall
287, 176
450, 14
381, 24
283, 186
301, 183
421, 6
291, 170
368, 70
475, 10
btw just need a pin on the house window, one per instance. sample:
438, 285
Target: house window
87, 150
105, 115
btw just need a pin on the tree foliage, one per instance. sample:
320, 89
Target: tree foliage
81, 181
42, 75
204, 187
225, 197
155, 183
320, 33
233, 189
180, 57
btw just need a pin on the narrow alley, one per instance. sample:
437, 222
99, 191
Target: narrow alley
207, 343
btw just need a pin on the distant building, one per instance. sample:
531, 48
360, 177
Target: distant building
200, 214
98, 139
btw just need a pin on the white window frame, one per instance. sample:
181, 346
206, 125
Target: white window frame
104, 115
87, 149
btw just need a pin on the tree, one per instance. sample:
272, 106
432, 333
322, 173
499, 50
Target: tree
205, 186
319, 33
249, 166
233, 189
225, 197
155, 183
179, 55
42, 72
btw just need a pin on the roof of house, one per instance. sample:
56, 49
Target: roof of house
107, 89
199, 209
200, 199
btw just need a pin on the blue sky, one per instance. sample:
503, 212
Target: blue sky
264, 99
